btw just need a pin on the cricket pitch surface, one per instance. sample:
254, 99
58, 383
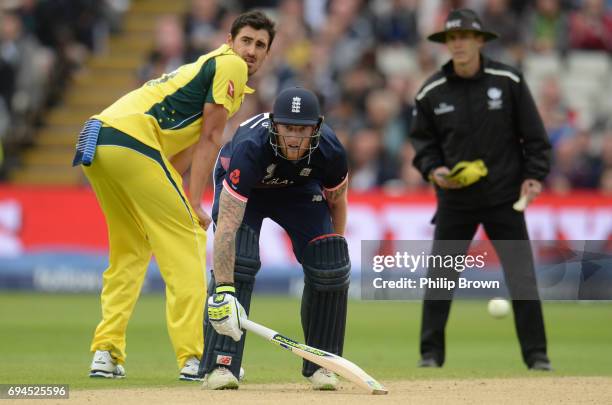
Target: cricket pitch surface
534, 390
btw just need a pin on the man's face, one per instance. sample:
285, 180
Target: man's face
294, 140
464, 46
251, 45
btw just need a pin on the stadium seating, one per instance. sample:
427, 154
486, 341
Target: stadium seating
105, 77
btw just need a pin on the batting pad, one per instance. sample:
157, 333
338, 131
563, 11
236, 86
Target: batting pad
324, 302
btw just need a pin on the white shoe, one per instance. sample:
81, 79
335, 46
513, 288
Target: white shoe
104, 365
220, 378
324, 380
190, 371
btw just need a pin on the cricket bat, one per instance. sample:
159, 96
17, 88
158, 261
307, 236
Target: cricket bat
337, 364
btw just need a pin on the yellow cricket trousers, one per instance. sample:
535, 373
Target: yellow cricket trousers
147, 212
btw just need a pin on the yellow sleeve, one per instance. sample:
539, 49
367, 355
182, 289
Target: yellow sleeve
231, 75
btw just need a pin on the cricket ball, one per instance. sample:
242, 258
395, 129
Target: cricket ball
498, 307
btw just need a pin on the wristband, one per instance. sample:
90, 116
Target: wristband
225, 288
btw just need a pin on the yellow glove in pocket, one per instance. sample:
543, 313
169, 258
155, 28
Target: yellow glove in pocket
467, 173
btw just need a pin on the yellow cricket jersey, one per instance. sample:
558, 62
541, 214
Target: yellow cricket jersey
166, 113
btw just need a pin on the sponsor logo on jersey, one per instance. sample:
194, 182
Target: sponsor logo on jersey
230, 88
306, 172
296, 104
317, 198
277, 182
224, 360
235, 176
495, 100
443, 108
270, 171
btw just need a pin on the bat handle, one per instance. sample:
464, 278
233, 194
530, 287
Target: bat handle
258, 329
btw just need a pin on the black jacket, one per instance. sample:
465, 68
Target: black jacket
491, 116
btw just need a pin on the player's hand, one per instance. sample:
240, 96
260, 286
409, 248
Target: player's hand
439, 176
225, 312
203, 217
531, 188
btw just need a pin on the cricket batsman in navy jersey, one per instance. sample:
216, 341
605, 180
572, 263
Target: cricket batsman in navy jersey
290, 167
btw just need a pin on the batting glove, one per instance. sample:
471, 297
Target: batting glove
225, 312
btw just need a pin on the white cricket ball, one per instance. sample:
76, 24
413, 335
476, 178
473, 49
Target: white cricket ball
498, 307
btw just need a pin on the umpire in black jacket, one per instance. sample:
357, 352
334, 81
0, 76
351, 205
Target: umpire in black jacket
478, 118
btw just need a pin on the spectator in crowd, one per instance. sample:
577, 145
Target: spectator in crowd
370, 166
559, 119
590, 27
169, 51
546, 27
396, 22
351, 28
382, 112
25, 68
42, 43
411, 179
605, 180
201, 26
509, 48
574, 164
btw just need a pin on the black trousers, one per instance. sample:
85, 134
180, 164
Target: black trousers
501, 223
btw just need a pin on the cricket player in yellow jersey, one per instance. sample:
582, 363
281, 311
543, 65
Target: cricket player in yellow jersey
134, 154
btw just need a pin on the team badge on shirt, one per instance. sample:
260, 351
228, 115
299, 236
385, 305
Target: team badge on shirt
235, 176
495, 100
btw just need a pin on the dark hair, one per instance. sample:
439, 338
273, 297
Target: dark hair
255, 19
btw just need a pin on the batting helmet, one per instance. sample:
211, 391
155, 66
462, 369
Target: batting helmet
296, 106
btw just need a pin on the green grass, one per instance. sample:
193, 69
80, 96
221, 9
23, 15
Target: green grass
45, 339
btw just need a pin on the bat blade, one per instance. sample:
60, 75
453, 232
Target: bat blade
330, 361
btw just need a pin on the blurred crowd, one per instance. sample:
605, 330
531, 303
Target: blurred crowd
42, 43
365, 59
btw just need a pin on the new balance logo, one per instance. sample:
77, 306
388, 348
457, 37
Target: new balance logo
306, 172
296, 104
317, 198
224, 360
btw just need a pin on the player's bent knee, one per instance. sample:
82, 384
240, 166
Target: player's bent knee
327, 264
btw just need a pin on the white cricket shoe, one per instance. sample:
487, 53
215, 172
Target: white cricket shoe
221, 378
104, 365
324, 380
190, 371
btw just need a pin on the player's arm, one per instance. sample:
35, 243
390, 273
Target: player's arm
204, 155
231, 212
428, 157
224, 311
338, 206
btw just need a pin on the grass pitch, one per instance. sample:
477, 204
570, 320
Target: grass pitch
45, 339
